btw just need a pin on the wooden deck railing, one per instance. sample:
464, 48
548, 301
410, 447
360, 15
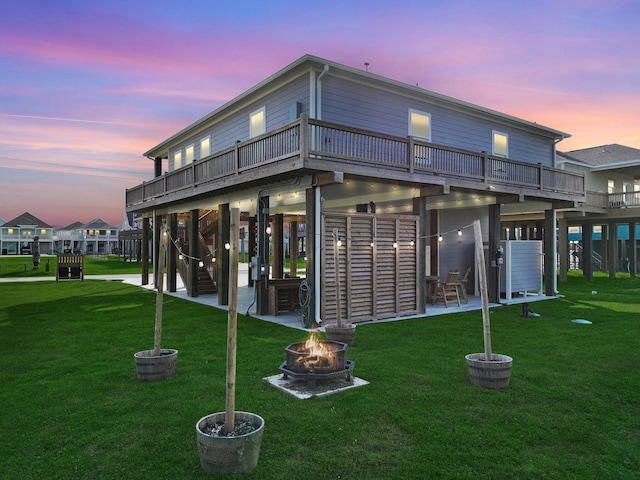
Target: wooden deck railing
623, 200
312, 138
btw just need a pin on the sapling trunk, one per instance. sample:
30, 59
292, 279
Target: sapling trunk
160, 287
232, 324
482, 275
336, 258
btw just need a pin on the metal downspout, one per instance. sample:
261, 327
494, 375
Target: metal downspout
318, 202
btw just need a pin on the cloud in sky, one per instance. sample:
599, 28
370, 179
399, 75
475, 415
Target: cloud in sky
86, 87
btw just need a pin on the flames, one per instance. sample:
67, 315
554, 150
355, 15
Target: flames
316, 354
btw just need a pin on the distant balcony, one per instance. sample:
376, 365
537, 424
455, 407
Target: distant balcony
315, 143
612, 201
624, 200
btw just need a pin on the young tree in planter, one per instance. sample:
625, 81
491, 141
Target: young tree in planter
158, 364
229, 441
486, 370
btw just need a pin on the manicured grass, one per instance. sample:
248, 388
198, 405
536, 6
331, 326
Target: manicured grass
22, 266
73, 408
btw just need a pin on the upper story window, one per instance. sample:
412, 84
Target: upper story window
188, 154
205, 147
257, 122
177, 160
420, 124
611, 186
500, 144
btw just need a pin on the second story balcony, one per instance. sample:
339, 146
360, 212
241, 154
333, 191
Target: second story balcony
315, 146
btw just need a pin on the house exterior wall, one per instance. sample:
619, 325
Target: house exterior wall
235, 127
380, 110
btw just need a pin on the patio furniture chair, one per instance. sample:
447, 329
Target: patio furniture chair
447, 290
462, 286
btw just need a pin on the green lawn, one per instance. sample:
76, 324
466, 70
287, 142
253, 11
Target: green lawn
22, 267
72, 407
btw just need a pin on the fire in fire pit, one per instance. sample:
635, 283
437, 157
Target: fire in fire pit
316, 359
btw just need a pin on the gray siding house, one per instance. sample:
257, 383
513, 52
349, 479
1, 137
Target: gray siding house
385, 178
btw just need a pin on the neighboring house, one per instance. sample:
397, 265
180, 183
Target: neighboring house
605, 227
94, 238
16, 235
388, 175
69, 239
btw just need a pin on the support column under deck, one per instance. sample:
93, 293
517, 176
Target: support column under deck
145, 250
587, 250
494, 243
549, 245
223, 236
633, 254
172, 253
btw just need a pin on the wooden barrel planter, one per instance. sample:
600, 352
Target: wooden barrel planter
345, 334
489, 374
153, 367
229, 454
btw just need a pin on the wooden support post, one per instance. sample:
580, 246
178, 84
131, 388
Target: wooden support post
549, 252
293, 249
159, 274
494, 243
232, 327
612, 252
563, 248
310, 246
262, 288
482, 276
223, 255
172, 252
277, 232
587, 250
192, 288
336, 259
145, 251
420, 209
633, 253
253, 247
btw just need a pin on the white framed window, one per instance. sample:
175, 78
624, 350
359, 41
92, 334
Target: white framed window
188, 154
500, 144
258, 122
611, 186
205, 147
420, 124
177, 160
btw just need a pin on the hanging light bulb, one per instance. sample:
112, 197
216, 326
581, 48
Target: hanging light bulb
413, 242
227, 246
459, 232
268, 230
440, 238
395, 244
180, 257
339, 242
213, 259
201, 264
371, 244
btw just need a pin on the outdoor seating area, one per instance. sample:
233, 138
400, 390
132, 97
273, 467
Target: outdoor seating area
449, 290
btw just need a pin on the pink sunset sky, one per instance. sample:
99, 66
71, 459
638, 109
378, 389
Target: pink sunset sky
87, 86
